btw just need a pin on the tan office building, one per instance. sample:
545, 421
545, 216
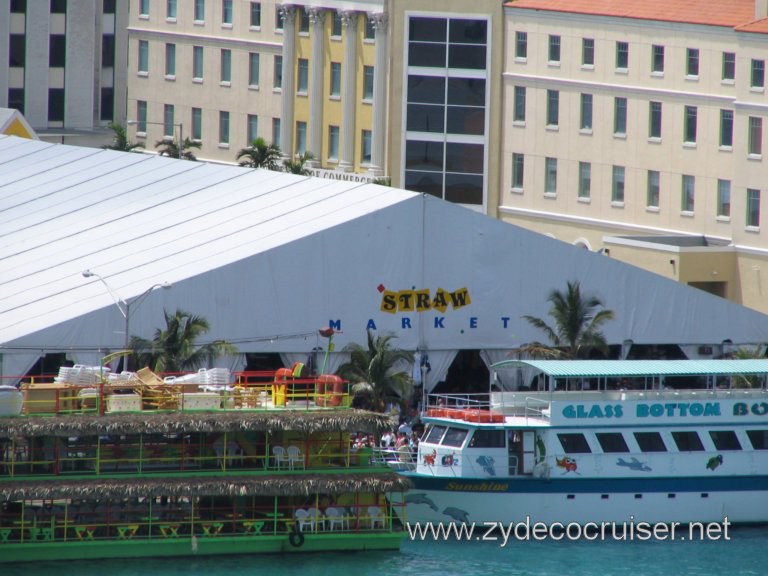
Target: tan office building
637, 129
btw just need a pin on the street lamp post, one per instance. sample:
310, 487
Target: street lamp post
180, 126
127, 307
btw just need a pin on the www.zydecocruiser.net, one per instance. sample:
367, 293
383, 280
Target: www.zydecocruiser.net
527, 530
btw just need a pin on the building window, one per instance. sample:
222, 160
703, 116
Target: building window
197, 124
303, 20
622, 55
107, 104
553, 107
620, 116
168, 123
303, 80
365, 148
276, 131
301, 137
333, 142
654, 185
144, 8
170, 9
279, 19
56, 104
143, 57
226, 66
755, 139
753, 208
692, 62
197, 62
253, 128
108, 51
657, 59
20, 7
521, 45
758, 74
277, 78
335, 79
253, 69
255, 14
554, 48
518, 171
226, 11
58, 6
688, 193
585, 180
586, 112
654, 120
726, 128
223, 127
729, 66
170, 59
57, 51
689, 129
141, 116
587, 51
16, 99
199, 10
724, 198
370, 31
336, 25
519, 104
550, 175
368, 82
17, 50
617, 188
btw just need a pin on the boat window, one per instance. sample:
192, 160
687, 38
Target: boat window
455, 437
650, 442
435, 434
487, 439
688, 441
725, 440
759, 439
574, 443
612, 442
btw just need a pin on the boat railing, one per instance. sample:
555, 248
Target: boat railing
401, 459
462, 401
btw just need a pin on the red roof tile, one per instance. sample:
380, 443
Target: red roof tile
729, 13
758, 27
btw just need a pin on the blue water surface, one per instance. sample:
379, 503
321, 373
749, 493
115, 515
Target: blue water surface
744, 554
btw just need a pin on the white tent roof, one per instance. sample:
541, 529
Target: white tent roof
269, 258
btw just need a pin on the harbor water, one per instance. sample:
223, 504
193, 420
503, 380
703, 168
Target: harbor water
743, 555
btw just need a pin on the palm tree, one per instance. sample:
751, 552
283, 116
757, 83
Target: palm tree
260, 155
174, 349
747, 380
171, 148
120, 139
298, 166
372, 371
577, 322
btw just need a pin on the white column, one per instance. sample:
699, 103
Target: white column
289, 81
349, 94
378, 140
81, 70
316, 93
36, 69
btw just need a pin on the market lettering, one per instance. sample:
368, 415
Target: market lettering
595, 411
744, 409
423, 301
678, 409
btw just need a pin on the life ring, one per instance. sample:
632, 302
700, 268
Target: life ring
296, 538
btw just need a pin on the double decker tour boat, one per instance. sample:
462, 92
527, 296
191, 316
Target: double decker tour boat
599, 441
143, 467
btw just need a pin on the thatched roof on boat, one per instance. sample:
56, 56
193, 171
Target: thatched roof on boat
181, 422
304, 484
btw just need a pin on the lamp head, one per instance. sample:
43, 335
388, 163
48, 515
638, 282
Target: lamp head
87, 274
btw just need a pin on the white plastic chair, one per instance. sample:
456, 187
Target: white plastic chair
295, 457
334, 517
376, 517
280, 457
304, 519
317, 518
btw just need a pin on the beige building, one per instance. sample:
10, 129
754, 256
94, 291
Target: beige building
637, 130
62, 65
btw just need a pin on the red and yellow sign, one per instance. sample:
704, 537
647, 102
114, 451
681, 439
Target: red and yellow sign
423, 300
